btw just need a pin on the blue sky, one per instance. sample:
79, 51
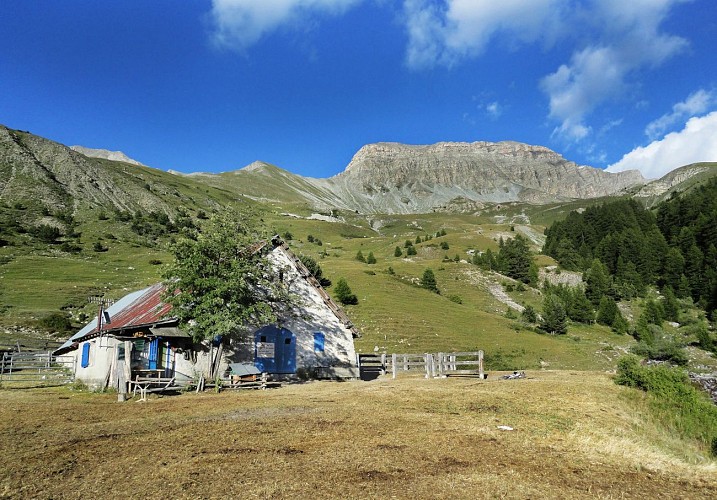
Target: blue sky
303, 84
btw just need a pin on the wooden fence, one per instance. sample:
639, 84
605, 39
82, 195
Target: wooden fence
36, 368
440, 364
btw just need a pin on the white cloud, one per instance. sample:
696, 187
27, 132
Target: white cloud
614, 39
695, 104
238, 24
494, 109
446, 31
629, 41
695, 143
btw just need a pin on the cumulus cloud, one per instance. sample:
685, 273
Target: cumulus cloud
443, 32
614, 39
695, 104
630, 41
694, 143
238, 24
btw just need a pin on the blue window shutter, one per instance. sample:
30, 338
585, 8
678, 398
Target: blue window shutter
318, 342
153, 353
85, 355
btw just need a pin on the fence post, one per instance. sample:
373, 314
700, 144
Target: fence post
480, 365
394, 366
405, 363
439, 361
428, 361
383, 363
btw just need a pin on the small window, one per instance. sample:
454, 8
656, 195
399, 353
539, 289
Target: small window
318, 342
287, 340
262, 338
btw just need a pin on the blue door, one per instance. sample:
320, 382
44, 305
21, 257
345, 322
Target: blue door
275, 350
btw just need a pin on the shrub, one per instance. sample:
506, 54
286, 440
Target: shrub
411, 250
46, 233
455, 298
529, 315
678, 405
360, 257
155, 262
444, 245
99, 247
397, 252
56, 322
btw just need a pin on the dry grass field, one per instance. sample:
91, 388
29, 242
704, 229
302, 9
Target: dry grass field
575, 435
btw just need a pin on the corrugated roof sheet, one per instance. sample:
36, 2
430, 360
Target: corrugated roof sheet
140, 308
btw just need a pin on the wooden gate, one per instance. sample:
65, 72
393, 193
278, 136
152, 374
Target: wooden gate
36, 368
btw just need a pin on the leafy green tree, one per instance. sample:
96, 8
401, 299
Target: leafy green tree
555, 318
315, 270
360, 257
371, 259
344, 294
397, 252
428, 281
219, 283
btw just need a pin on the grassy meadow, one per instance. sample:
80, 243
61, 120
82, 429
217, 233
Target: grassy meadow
574, 435
394, 314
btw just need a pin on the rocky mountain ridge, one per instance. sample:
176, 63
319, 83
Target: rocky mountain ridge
393, 177
381, 178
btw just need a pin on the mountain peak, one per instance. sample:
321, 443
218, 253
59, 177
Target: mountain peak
106, 154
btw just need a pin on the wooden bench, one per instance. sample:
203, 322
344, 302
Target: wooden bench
150, 384
249, 382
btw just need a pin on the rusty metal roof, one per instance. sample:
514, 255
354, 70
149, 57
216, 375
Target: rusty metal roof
138, 309
147, 309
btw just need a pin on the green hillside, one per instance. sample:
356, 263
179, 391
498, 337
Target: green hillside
105, 227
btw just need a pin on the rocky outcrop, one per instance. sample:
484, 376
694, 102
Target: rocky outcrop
391, 177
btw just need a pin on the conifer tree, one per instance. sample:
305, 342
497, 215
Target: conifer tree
428, 281
343, 293
360, 257
555, 318
397, 252
619, 323
606, 310
370, 259
670, 305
